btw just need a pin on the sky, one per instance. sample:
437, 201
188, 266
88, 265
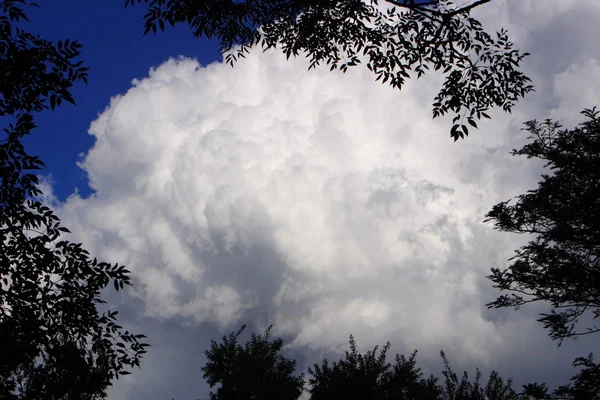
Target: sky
324, 204
112, 37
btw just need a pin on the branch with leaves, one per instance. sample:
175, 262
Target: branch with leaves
54, 341
402, 41
561, 264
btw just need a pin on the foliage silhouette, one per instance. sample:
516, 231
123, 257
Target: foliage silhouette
254, 371
561, 264
371, 376
585, 385
53, 341
257, 370
403, 38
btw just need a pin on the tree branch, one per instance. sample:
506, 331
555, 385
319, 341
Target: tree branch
406, 4
468, 8
419, 6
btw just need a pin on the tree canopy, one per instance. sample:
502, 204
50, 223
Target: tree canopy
561, 264
256, 370
54, 343
396, 40
371, 376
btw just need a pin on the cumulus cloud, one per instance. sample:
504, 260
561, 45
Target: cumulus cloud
323, 203
265, 193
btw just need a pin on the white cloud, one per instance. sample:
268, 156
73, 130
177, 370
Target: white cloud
334, 190
324, 203
576, 88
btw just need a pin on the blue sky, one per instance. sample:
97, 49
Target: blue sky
322, 203
116, 52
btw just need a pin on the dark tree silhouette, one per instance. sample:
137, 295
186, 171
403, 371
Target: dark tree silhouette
495, 389
406, 37
561, 264
585, 385
256, 370
371, 376
54, 344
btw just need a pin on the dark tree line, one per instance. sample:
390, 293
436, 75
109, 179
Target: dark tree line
258, 370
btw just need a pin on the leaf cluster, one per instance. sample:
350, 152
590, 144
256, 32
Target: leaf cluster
396, 43
561, 264
463, 388
585, 385
371, 376
54, 342
245, 372
36, 73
